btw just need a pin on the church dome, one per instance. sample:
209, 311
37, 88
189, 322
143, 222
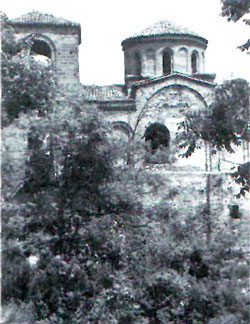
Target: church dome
164, 28
162, 49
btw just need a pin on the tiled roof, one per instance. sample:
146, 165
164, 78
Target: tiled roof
104, 93
36, 17
164, 27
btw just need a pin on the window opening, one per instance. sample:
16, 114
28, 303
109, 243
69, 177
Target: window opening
194, 62
167, 62
137, 64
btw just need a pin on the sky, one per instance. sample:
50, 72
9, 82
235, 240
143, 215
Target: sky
105, 23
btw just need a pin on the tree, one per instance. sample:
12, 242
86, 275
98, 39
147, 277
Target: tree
26, 84
235, 10
224, 125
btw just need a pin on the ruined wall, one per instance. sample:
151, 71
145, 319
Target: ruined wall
63, 42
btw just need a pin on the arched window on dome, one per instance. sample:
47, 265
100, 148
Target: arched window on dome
137, 60
167, 61
194, 62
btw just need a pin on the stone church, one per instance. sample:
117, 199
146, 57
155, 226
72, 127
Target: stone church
164, 76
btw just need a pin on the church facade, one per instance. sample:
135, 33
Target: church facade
164, 76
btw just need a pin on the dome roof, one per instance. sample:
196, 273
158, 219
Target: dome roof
165, 27
36, 17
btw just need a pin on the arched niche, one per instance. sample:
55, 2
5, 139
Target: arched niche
122, 130
195, 62
150, 54
167, 61
121, 135
181, 60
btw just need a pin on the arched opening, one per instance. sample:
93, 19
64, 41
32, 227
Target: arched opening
158, 135
137, 60
41, 52
194, 62
122, 128
40, 47
167, 61
121, 135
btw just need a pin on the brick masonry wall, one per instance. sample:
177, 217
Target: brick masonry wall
63, 42
166, 102
150, 52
